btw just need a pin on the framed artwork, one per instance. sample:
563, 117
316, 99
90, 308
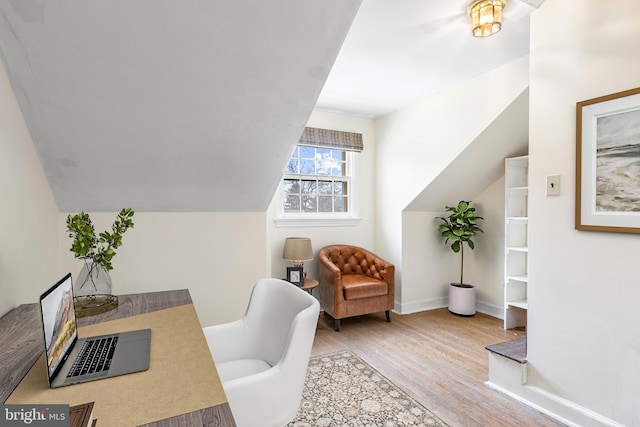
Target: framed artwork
608, 163
295, 275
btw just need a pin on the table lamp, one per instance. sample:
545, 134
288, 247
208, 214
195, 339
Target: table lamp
298, 250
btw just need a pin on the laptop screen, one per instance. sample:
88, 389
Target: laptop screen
59, 323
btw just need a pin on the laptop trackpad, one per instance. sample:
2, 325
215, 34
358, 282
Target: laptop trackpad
132, 353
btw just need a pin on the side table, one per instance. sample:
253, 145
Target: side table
309, 284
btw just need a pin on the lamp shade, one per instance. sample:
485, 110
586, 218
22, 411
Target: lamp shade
297, 249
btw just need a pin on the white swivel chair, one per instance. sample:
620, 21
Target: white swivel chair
262, 359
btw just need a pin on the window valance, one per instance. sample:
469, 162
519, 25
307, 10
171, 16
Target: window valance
327, 138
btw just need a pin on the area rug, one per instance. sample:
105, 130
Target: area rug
343, 390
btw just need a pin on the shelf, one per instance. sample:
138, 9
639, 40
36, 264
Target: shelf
516, 239
523, 304
519, 162
518, 189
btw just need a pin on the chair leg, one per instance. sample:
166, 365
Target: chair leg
337, 325
388, 314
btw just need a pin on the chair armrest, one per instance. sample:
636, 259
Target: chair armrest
251, 397
328, 270
386, 269
227, 341
387, 274
331, 296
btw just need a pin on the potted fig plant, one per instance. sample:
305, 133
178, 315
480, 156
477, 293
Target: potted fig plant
458, 228
93, 286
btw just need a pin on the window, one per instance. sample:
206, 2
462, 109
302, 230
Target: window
318, 181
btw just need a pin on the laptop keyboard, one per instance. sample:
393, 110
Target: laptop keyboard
95, 356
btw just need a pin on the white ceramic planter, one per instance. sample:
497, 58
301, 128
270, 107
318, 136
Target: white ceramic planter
462, 299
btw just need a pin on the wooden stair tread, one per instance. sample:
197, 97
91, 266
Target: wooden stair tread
514, 350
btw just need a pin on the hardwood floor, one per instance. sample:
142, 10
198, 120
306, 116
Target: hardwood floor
438, 358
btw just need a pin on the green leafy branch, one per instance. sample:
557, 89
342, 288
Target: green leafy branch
101, 248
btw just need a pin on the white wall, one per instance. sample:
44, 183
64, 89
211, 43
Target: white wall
424, 283
359, 234
584, 298
414, 146
484, 266
28, 214
217, 256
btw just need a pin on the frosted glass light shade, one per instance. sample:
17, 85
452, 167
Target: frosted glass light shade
486, 17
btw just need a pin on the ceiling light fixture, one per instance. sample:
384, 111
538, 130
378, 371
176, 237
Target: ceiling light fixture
486, 17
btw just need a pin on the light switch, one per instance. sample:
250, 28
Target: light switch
553, 185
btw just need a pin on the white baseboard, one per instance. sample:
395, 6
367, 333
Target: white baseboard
443, 302
562, 410
490, 309
417, 306
510, 377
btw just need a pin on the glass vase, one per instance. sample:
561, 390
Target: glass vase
92, 280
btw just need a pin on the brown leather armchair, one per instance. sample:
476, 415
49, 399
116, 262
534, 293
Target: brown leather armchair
354, 281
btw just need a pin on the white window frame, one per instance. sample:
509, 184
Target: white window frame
319, 219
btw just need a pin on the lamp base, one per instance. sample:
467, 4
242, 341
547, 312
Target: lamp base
300, 264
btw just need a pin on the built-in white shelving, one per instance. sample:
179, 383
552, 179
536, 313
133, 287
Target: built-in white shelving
516, 265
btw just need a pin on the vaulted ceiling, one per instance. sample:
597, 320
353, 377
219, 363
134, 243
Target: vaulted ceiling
195, 105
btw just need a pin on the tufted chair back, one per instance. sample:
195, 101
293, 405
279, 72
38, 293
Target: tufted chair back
354, 281
355, 260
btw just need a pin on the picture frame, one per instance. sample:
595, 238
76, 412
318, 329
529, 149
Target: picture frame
295, 275
607, 162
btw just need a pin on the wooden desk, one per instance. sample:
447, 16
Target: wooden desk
21, 345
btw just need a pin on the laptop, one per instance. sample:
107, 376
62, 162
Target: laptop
72, 360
